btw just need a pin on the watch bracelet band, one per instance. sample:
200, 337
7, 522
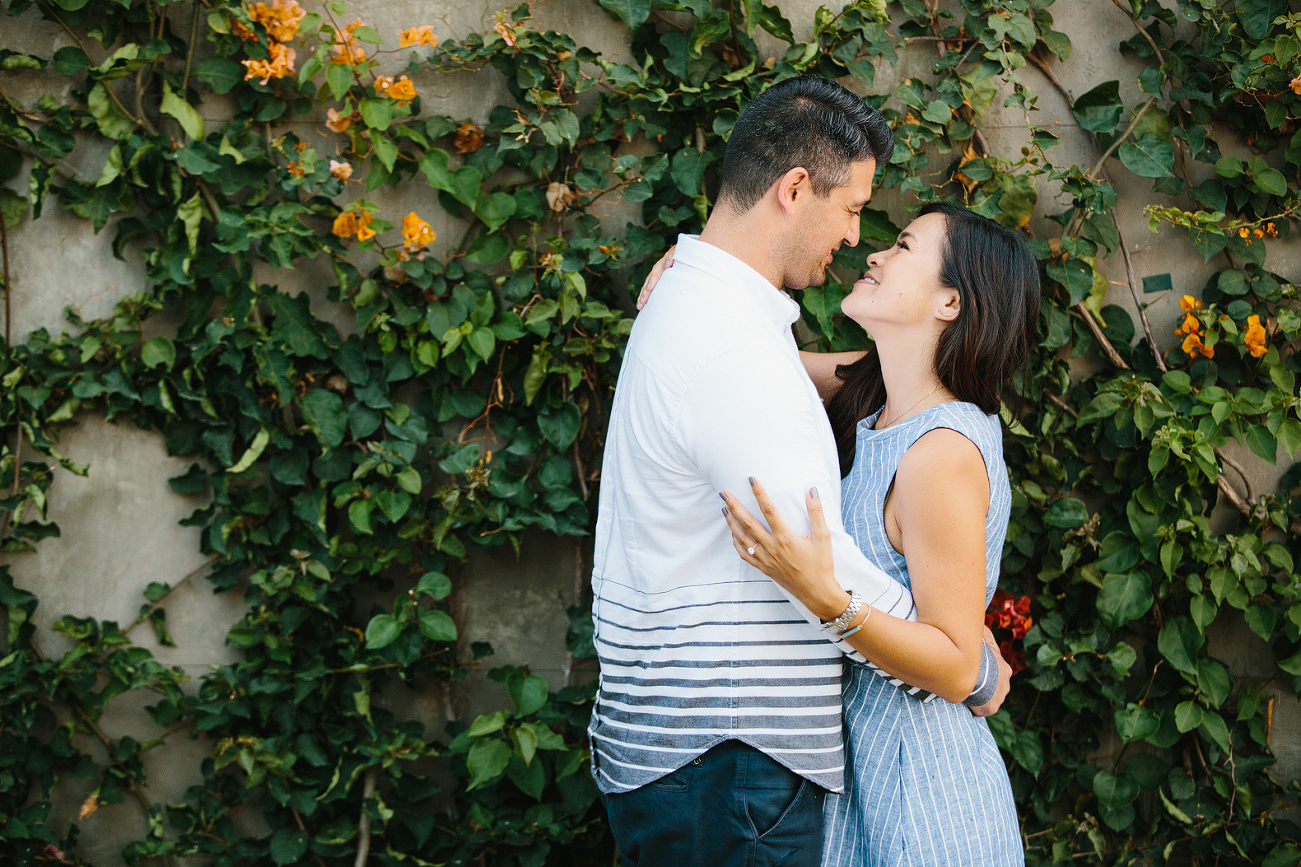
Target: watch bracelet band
841, 623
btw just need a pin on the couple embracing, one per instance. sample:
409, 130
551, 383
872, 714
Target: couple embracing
807, 688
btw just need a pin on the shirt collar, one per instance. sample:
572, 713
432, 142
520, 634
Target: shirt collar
771, 301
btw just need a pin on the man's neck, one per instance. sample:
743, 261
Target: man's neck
747, 237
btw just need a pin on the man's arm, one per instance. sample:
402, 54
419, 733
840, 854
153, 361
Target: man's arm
750, 413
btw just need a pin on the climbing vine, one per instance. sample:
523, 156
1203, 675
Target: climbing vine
465, 402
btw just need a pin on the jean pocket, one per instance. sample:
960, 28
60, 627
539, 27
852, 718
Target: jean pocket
670, 783
769, 809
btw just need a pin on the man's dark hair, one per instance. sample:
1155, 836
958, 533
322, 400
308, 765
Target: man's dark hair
809, 122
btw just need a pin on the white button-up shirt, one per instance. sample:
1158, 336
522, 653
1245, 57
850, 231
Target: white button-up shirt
695, 645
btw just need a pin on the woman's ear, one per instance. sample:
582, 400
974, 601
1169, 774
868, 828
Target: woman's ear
950, 305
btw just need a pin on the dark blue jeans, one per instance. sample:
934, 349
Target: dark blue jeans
731, 807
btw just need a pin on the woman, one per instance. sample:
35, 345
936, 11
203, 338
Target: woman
952, 308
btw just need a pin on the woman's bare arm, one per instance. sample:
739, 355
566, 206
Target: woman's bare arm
821, 367
939, 503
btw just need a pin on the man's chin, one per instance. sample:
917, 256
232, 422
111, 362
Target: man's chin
815, 279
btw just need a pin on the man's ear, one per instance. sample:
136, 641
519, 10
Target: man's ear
950, 305
792, 189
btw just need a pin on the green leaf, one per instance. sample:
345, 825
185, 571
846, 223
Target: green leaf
186, 115
1135, 722
1149, 157
531, 779
1188, 716
487, 724
495, 209
1124, 597
434, 584
1179, 642
324, 413
382, 631
377, 112
1257, 15
1203, 609
631, 12
1286, 855
1177, 814
368, 34
1292, 665
160, 351
560, 424
486, 762
482, 341
287, 846
108, 117
190, 213
1217, 731
688, 170
253, 452
69, 61
1262, 442
1100, 109
526, 742
529, 694
1114, 791
437, 625
1213, 681
339, 77
1262, 620
409, 480
1067, 513
13, 207
219, 73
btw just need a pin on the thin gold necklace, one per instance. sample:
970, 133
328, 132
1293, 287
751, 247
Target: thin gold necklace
911, 408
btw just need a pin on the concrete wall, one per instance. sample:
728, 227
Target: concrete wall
120, 529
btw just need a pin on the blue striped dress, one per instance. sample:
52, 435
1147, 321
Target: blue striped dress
924, 781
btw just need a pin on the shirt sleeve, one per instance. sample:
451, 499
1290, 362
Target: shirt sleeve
751, 413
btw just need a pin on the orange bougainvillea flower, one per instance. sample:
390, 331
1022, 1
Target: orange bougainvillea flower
347, 48
281, 18
296, 169
355, 222
1295, 84
1188, 304
402, 90
237, 27
1191, 325
468, 139
340, 122
279, 65
416, 233
340, 171
422, 35
1256, 338
1193, 346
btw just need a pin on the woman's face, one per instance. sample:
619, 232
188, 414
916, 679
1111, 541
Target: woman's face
901, 288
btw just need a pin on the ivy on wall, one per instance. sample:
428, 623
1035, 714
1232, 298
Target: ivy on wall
468, 404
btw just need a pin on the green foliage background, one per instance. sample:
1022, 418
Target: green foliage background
469, 405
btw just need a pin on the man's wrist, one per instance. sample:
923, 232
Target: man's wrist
834, 609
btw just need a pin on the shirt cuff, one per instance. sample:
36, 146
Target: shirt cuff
987, 682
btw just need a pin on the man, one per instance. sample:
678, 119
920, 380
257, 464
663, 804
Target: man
717, 729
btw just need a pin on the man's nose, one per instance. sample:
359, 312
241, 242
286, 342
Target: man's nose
851, 237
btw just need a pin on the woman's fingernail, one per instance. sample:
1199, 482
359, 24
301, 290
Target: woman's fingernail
753, 481
722, 496
725, 512
813, 492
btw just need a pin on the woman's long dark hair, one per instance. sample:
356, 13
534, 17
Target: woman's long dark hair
997, 279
